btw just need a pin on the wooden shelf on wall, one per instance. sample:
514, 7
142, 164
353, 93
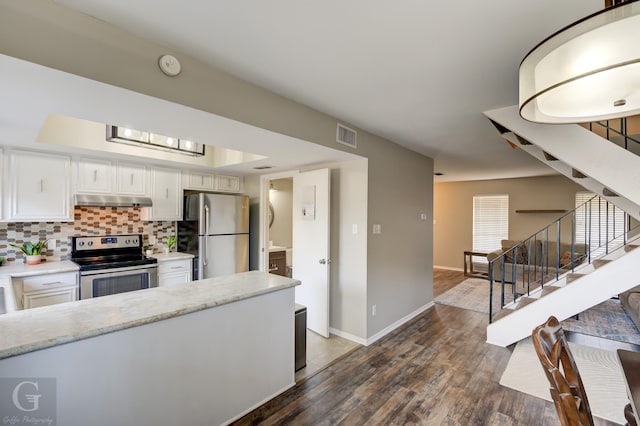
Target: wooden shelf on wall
542, 211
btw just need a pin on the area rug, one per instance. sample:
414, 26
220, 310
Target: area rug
600, 371
607, 320
473, 294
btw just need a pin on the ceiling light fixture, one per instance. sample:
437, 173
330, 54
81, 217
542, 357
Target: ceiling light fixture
152, 140
588, 71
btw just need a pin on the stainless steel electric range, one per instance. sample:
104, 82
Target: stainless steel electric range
112, 264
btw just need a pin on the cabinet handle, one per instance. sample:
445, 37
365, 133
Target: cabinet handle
176, 267
132, 179
41, 185
95, 175
52, 283
167, 192
201, 180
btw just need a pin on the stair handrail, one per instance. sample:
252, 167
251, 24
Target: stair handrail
538, 271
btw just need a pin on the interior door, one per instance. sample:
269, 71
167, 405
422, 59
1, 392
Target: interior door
311, 261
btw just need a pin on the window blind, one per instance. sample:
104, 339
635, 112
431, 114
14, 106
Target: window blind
597, 223
490, 221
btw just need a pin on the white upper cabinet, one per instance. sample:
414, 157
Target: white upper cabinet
212, 182
39, 185
166, 194
94, 176
198, 180
131, 179
110, 177
228, 183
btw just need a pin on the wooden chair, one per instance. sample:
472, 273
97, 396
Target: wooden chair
566, 387
628, 415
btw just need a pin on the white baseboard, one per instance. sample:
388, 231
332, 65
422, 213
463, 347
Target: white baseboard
397, 324
348, 336
449, 268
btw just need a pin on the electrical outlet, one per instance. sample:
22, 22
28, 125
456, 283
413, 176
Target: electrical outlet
51, 244
152, 239
377, 228
374, 310
423, 216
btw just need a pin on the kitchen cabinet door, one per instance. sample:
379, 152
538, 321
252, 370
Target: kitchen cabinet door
50, 297
197, 180
166, 194
39, 186
228, 183
171, 272
46, 289
131, 179
94, 176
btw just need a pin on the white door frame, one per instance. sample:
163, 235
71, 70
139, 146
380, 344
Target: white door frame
264, 214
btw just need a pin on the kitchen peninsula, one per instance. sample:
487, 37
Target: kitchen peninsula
202, 353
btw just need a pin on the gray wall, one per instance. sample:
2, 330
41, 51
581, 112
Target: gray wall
399, 276
453, 231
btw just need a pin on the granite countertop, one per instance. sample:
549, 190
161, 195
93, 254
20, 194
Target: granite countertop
163, 257
22, 270
33, 329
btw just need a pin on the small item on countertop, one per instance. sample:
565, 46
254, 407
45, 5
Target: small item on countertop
148, 250
1, 260
171, 241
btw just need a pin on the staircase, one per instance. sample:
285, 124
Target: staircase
541, 285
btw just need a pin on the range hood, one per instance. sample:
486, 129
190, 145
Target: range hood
97, 200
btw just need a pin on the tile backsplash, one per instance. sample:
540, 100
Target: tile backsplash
87, 221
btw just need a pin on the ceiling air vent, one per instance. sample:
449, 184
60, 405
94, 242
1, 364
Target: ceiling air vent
346, 136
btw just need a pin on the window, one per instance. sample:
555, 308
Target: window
598, 223
490, 221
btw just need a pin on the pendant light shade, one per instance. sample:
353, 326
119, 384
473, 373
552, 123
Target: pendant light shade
588, 71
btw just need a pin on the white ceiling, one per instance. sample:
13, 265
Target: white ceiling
417, 72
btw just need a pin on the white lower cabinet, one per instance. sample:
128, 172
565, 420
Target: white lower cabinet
48, 289
172, 272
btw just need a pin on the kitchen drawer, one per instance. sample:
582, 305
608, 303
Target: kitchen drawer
47, 281
174, 266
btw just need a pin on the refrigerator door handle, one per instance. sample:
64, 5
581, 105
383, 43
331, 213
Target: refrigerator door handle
205, 242
206, 220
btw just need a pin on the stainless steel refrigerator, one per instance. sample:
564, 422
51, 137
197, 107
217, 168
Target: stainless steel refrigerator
215, 230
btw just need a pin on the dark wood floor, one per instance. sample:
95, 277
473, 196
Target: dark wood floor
435, 370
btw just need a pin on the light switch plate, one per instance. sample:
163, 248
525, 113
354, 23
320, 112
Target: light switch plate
354, 228
377, 228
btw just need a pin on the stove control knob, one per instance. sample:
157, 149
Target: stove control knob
127, 241
80, 243
135, 241
90, 243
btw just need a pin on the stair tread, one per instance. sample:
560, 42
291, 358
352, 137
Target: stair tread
600, 262
503, 313
524, 301
548, 290
573, 277
630, 247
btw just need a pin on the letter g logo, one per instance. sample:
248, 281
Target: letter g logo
33, 399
